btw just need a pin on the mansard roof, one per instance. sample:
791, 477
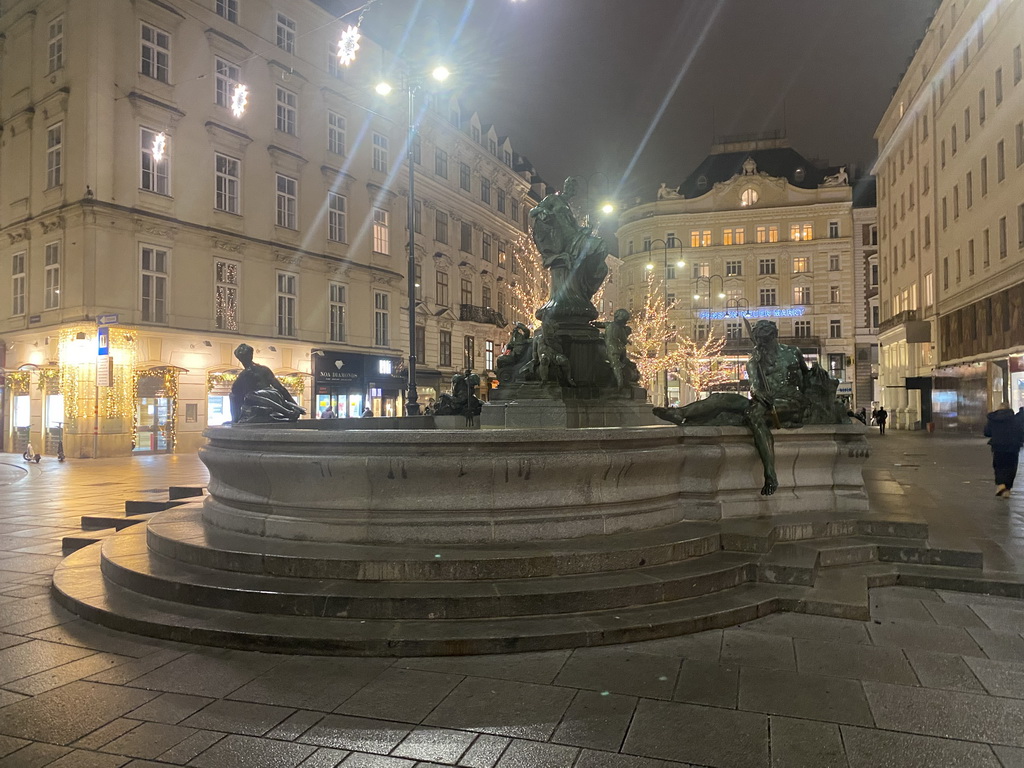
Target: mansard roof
780, 162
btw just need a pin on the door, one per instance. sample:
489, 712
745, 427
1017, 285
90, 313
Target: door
153, 414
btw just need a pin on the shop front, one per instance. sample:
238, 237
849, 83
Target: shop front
347, 383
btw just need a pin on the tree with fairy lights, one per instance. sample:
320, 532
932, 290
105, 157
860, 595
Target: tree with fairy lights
701, 364
530, 284
654, 341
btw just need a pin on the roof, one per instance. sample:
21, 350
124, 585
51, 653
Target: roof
780, 162
864, 193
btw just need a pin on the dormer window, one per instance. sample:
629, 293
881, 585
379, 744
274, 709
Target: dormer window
748, 197
702, 183
798, 175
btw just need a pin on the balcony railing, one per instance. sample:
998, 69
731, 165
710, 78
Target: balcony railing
906, 316
474, 314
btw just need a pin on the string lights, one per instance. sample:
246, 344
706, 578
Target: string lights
348, 45
159, 145
239, 100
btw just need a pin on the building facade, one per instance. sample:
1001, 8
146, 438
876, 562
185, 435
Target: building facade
148, 225
755, 231
951, 215
867, 313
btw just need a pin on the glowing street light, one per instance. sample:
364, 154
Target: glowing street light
383, 88
440, 73
607, 208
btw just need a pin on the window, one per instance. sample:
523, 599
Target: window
945, 273
55, 46
465, 178
670, 272
417, 216
999, 86
489, 355
441, 163
701, 270
441, 289
984, 176
986, 248
967, 124
705, 237
694, 240
929, 289
502, 258
381, 231
741, 235
701, 332
513, 212
1002, 237
468, 351
492, 146
445, 345
969, 189
802, 329
381, 319
952, 140
54, 155
833, 262
874, 275
748, 197
285, 33
1000, 160
156, 54
981, 107
154, 285
227, 9
833, 228
336, 303
335, 133
441, 226
766, 267
926, 179
501, 201
286, 111
155, 176
226, 182
1020, 144
485, 191
485, 251
1020, 225
801, 264
485, 296
927, 231
287, 292
801, 232
287, 201
835, 329
773, 233
768, 297
380, 153
647, 242
802, 295
733, 268
727, 236
336, 217
970, 257
226, 76
761, 235
18, 284
421, 343
956, 202
225, 296
1018, 65
733, 330
51, 276
466, 237
834, 296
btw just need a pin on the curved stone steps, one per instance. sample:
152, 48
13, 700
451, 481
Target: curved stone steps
127, 562
181, 535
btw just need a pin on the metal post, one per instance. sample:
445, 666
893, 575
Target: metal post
412, 406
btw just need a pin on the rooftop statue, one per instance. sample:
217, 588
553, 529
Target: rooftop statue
839, 179
257, 397
665, 192
785, 393
574, 255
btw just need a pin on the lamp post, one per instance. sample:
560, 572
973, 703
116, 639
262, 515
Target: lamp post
411, 85
650, 266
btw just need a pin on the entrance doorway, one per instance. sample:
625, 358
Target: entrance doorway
153, 412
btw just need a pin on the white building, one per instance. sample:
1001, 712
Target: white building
132, 197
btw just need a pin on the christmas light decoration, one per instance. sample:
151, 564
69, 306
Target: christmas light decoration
701, 364
348, 45
18, 382
159, 145
531, 284
239, 100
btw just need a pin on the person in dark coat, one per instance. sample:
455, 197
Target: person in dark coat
1005, 437
881, 416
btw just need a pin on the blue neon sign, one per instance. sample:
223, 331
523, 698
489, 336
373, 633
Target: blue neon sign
754, 314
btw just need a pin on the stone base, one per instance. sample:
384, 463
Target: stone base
566, 414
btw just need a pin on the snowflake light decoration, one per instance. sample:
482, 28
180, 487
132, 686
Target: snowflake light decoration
159, 145
239, 99
348, 45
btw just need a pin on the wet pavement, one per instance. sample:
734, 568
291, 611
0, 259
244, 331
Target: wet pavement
934, 679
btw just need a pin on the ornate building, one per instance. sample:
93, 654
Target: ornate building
148, 224
758, 231
951, 213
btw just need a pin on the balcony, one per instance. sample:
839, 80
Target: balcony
916, 331
474, 314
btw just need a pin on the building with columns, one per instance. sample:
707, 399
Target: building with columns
760, 232
951, 221
148, 226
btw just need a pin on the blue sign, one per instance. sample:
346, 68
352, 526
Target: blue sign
753, 314
106, 319
103, 337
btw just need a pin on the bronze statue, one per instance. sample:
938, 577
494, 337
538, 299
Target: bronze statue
257, 397
616, 340
552, 363
784, 392
463, 400
516, 358
575, 256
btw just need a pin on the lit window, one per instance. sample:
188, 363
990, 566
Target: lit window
381, 231
155, 174
748, 197
801, 264
773, 233
741, 235
761, 235
802, 295
705, 237
225, 298
156, 53
727, 236
287, 201
694, 240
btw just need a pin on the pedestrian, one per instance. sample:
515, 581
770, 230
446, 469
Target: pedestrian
863, 415
881, 416
328, 413
1005, 437
1020, 417
367, 412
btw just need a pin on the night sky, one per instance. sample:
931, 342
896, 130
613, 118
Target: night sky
637, 89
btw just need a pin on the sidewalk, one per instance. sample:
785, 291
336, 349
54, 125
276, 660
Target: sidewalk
935, 679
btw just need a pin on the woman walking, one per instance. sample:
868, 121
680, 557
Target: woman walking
1005, 436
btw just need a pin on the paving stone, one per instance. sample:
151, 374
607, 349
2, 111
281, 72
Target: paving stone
148, 740
823, 628
170, 708
359, 760
530, 754
65, 714
870, 748
324, 757
190, 747
860, 662
805, 744
407, 695
702, 682
925, 637
485, 751
106, 734
814, 697
593, 759
81, 758
596, 720
358, 734
35, 684
85, 634
612, 669
909, 593
10, 744
757, 649
33, 756
706, 646
295, 725
947, 714
6, 640
953, 615
1010, 757
503, 707
996, 617
998, 645
973, 599
9, 697
312, 682
235, 751
898, 610
435, 745
132, 670
240, 717
36, 656
943, 670
523, 667
207, 673
688, 733
1000, 678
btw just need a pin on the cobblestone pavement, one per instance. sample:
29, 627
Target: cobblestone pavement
934, 679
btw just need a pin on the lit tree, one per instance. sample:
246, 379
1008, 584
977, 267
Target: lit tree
653, 343
701, 364
530, 281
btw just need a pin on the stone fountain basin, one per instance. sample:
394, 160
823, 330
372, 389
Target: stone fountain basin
341, 481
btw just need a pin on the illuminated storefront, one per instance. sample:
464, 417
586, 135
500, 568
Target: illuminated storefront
349, 382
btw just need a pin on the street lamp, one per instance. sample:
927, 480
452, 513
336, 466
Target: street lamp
650, 266
411, 85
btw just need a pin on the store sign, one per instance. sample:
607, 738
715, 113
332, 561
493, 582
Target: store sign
845, 388
104, 371
752, 314
110, 319
103, 340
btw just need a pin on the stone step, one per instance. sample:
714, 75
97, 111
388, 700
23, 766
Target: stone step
115, 521
128, 563
761, 535
76, 541
181, 535
176, 492
143, 507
